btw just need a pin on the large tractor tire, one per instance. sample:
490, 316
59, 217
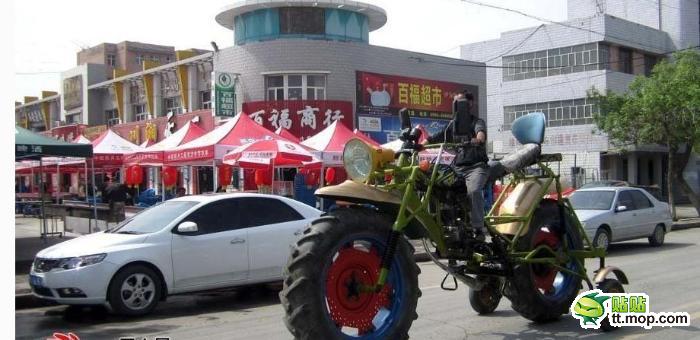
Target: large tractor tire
540, 292
337, 254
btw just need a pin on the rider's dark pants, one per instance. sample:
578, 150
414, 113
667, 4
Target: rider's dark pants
475, 178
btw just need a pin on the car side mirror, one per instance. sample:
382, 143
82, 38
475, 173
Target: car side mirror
621, 208
187, 227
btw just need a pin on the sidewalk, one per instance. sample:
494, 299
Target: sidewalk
28, 243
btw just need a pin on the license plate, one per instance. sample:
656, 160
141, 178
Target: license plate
36, 281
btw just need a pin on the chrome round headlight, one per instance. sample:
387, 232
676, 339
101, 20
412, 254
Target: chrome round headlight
357, 159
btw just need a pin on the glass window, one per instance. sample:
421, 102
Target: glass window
205, 99
625, 62
112, 117
275, 210
640, 200
155, 218
296, 87
625, 199
302, 20
111, 60
216, 217
649, 63
172, 104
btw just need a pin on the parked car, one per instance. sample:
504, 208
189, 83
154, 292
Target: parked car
613, 214
604, 183
183, 245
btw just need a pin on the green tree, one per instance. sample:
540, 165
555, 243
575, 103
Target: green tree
663, 109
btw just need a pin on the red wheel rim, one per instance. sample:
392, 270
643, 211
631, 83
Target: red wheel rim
348, 306
544, 274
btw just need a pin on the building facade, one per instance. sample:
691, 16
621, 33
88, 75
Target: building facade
550, 68
297, 67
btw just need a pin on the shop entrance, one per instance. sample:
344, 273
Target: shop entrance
205, 178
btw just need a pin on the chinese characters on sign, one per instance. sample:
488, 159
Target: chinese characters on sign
72, 92
302, 118
381, 96
224, 94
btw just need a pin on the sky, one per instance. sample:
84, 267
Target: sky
49, 33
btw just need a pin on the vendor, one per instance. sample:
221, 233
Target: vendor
115, 195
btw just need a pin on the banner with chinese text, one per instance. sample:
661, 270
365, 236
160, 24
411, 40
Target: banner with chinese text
224, 94
303, 118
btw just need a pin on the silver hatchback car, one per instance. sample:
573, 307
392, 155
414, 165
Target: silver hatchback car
613, 214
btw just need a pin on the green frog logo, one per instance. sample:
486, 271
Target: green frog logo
589, 308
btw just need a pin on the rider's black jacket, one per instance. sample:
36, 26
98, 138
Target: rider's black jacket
467, 154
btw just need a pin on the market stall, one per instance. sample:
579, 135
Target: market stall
207, 151
268, 156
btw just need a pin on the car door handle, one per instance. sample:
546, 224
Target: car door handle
237, 240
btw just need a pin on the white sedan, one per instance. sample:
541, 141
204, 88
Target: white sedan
612, 214
187, 244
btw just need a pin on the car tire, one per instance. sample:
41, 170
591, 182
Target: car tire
602, 239
135, 290
657, 238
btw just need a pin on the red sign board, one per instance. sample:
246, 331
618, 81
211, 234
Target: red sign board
382, 94
303, 118
194, 154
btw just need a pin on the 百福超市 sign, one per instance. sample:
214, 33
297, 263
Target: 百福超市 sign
224, 94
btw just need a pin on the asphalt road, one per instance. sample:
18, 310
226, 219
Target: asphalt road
669, 274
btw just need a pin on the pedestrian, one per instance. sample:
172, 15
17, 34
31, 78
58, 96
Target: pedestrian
181, 191
115, 195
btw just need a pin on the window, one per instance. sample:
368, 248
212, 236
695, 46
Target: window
640, 200
552, 62
649, 62
216, 217
205, 99
302, 20
155, 58
558, 113
112, 117
276, 211
625, 199
625, 60
275, 87
172, 104
296, 87
155, 218
139, 59
111, 60
139, 111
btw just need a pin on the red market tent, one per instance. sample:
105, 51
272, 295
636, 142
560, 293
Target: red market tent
270, 153
284, 133
81, 140
109, 149
366, 138
154, 155
329, 143
212, 146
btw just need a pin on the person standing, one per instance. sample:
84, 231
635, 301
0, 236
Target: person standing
115, 196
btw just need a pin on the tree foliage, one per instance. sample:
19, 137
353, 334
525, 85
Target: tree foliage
663, 109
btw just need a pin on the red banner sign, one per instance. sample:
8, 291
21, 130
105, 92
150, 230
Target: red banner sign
203, 153
383, 94
303, 118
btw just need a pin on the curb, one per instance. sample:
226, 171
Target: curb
681, 226
26, 301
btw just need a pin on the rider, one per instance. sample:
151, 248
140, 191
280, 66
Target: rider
471, 159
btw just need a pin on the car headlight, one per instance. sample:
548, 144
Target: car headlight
80, 261
359, 159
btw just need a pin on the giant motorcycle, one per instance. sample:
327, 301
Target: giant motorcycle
352, 273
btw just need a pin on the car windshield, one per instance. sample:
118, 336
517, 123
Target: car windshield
592, 200
154, 218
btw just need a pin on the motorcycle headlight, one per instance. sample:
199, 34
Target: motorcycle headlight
80, 261
360, 159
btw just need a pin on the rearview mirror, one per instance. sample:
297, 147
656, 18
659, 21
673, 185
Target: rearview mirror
187, 227
621, 208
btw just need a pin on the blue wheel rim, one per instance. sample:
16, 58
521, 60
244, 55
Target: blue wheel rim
385, 319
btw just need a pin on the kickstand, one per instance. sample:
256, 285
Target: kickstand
454, 279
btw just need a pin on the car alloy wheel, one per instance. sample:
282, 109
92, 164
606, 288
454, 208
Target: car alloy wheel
137, 291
